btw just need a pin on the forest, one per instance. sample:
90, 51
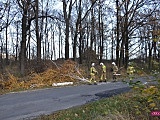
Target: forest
43, 42
34, 33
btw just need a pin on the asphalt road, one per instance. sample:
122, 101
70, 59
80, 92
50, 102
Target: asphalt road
28, 104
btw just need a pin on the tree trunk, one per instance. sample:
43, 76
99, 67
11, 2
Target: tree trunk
100, 31
38, 36
59, 37
17, 42
92, 29
67, 40
150, 56
23, 44
67, 23
75, 42
102, 37
117, 31
6, 48
80, 48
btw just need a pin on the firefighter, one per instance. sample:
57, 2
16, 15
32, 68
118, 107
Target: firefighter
93, 73
114, 70
103, 72
130, 69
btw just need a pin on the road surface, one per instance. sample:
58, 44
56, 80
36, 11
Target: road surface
28, 104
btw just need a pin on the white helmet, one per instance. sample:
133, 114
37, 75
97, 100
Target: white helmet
93, 64
113, 63
101, 63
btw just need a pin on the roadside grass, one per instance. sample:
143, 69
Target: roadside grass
121, 107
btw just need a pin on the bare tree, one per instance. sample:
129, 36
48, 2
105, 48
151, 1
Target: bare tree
67, 17
26, 22
78, 29
37, 32
128, 22
6, 18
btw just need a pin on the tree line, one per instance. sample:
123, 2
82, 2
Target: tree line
117, 30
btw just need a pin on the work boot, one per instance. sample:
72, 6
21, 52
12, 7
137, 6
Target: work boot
101, 81
95, 83
105, 80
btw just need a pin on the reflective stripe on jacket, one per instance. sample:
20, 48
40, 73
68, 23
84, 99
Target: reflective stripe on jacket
92, 70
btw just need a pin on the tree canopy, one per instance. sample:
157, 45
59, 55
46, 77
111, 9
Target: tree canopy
116, 30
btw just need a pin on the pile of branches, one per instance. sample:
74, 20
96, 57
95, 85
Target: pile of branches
69, 71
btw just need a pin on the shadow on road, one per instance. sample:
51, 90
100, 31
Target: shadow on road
110, 93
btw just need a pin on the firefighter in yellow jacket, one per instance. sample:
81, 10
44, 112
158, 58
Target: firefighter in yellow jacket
114, 70
130, 69
103, 72
93, 73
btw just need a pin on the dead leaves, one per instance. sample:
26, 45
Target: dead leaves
62, 73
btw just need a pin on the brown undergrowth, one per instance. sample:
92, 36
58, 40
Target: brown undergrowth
66, 72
